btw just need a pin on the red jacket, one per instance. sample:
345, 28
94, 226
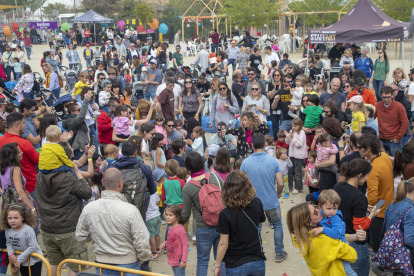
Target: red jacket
215, 38
29, 160
392, 120
105, 129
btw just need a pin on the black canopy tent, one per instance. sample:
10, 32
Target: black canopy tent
363, 23
92, 17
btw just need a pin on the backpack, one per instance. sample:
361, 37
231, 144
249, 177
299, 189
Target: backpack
393, 254
36, 84
135, 186
209, 197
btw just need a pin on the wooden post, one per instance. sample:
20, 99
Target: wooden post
182, 31
196, 22
280, 27
267, 29
294, 34
304, 29
218, 22
231, 33
227, 31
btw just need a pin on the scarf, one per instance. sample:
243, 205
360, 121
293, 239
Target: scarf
218, 59
47, 79
200, 172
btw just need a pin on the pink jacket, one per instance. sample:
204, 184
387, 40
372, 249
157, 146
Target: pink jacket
323, 153
177, 245
297, 145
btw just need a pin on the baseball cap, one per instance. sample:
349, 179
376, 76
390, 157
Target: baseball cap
212, 149
359, 81
144, 68
87, 45
355, 99
153, 61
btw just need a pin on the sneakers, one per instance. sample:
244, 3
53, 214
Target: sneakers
159, 251
154, 257
193, 238
295, 191
286, 195
270, 225
281, 258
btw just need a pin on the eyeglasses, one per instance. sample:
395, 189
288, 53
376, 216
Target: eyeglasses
222, 88
255, 89
74, 110
380, 52
326, 112
170, 125
187, 82
250, 74
304, 101
347, 86
220, 129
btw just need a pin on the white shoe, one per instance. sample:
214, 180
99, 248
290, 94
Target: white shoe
163, 222
295, 191
193, 238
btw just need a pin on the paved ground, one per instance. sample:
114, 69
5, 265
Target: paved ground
294, 264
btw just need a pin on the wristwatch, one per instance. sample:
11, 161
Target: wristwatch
341, 148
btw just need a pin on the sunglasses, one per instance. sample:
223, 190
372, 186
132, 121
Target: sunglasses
250, 74
289, 81
170, 125
188, 82
255, 89
290, 67
380, 52
74, 110
347, 86
101, 78
222, 88
276, 75
326, 112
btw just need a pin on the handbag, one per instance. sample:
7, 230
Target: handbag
394, 254
60, 81
10, 195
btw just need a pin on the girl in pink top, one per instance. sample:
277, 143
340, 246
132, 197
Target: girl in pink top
222, 165
176, 243
159, 122
121, 122
325, 148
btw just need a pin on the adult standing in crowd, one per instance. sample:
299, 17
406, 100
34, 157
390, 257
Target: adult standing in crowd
336, 53
275, 112
404, 161
3, 44
33, 34
393, 121
177, 38
132, 53
120, 48
224, 107
104, 124
236, 86
334, 94
177, 57
20, 55
232, 53
255, 60
367, 96
380, 73
165, 103
169, 73
189, 101
248, 40
26, 82
380, 183
59, 197
51, 82
364, 63
215, 40
73, 56
283, 95
256, 102
398, 96
154, 79
27, 45
271, 56
262, 170
7, 59
114, 226
410, 94
202, 58
251, 78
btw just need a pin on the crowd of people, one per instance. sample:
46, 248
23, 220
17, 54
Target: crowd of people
121, 161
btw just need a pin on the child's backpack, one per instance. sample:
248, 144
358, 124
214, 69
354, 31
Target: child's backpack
209, 197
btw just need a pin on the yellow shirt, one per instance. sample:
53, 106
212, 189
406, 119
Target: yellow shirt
52, 157
79, 85
357, 117
159, 190
311, 93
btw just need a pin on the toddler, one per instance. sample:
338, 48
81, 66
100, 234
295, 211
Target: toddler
332, 225
297, 94
100, 69
325, 148
158, 155
356, 105
96, 186
145, 158
179, 128
273, 67
153, 223
198, 146
263, 79
182, 174
159, 178
97, 54
104, 95
127, 76
111, 155
281, 143
159, 127
285, 164
77, 89
53, 157
269, 149
121, 122
310, 89
15, 63
309, 172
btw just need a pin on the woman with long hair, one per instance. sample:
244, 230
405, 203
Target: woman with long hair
404, 161
147, 132
349, 86
294, 70
321, 86
51, 82
256, 102
20, 55
25, 83
380, 73
222, 165
46, 121
224, 107
153, 50
275, 113
343, 77
238, 226
189, 101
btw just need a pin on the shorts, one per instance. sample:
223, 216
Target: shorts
64, 246
153, 226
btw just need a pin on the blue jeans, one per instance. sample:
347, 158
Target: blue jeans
88, 62
9, 70
87, 40
83, 40
28, 50
205, 102
291, 45
29, 95
361, 265
377, 85
17, 76
390, 147
56, 94
275, 216
206, 238
214, 47
92, 131
348, 269
148, 96
276, 120
285, 125
178, 271
233, 62
118, 273
253, 268
35, 39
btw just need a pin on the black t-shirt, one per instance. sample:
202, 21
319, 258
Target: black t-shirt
349, 158
326, 180
255, 61
180, 160
244, 240
236, 89
203, 88
353, 204
270, 88
284, 101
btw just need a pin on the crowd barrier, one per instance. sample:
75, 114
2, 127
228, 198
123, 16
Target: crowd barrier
105, 266
37, 255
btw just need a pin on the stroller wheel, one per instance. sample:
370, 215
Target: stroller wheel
67, 87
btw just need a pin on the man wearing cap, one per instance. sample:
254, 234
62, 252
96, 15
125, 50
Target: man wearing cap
334, 95
367, 95
232, 53
177, 58
154, 79
336, 52
392, 121
88, 55
120, 48
271, 56
202, 58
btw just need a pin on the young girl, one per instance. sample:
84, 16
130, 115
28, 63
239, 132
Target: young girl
19, 222
179, 128
176, 243
356, 105
298, 151
104, 95
222, 166
127, 77
157, 153
101, 67
121, 122
96, 186
285, 163
144, 57
309, 172
198, 146
310, 89
116, 92
297, 94
324, 149
159, 122
273, 67
173, 186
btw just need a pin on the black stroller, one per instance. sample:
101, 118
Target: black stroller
61, 43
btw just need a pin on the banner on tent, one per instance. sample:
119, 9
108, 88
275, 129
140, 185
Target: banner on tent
322, 36
41, 25
192, 20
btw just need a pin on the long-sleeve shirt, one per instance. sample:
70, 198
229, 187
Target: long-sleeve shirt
262, 102
232, 52
219, 113
215, 38
177, 245
121, 125
323, 153
343, 59
52, 157
25, 83
23, 240
198, 145
121, 49
7, 57
19, 55
297, 145
285, 165
105, 129
333, 227
393, 120
104, 97
54, 81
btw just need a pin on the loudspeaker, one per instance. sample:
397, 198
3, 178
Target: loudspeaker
143, 37
333, 73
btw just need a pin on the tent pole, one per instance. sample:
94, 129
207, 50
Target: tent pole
307, 57
412, 50
402, 54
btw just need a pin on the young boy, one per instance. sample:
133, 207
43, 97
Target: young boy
83, 82
173, 186
178, 148
17, 68
153, 219
159, 177
318, 132
280, 143
101, 69
332, 225
269, 149
53, 158
145, 159
111, 155
88, 55
285, 163
97, 54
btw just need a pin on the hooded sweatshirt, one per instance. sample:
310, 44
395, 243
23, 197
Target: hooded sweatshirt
219, 113
393, 121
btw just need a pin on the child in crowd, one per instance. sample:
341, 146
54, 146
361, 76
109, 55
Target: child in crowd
269, 149
263, 79
158, 155
176, 243
297, 94
159, 178
332, 225
127, 76
297, 153
182, 174
144, 58
356, 105
313, 115
17, 66
20, 236
77, 89
281, 143
144, 76
145, 158
238, 164
179, 128
325, 148
159, 127
121, 122
310, 89
104, 95
111, 153
211, 160
97, 54
273, 67
96, 186
173, 186
153, 221
318, 132
178, 148
369, 115
309, 172
285, 164
198, 146
53, 158
181, 79
100, 69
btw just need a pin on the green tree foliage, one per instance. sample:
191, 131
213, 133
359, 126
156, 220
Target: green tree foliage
60, 7
319, 5
103, 7
33, 5
144, 12
397, 9
127, 10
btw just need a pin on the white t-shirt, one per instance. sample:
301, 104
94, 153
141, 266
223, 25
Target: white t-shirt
132, 129
411, 92
176, 90
153, 210
270, 58
144, 146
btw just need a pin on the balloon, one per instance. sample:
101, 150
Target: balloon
163, 28
121, 24
199, 24
15, 27
236, 27
188, 25
7, 31
155, 24
140, 29
259, 33
21, 29
179, 17
65, 27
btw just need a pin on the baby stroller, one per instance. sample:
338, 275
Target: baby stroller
14, 44
72, 78
39, 39
61, 43
59, 105
6, 92
138, 90
188, 73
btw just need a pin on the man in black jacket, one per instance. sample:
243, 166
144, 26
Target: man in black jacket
33, 34
3, 44
131, 53
336, 52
